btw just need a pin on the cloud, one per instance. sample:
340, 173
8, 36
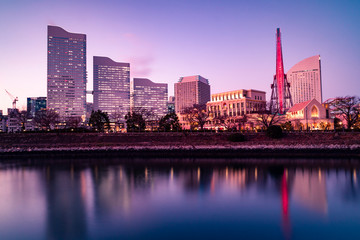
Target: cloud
141, 65
142, 55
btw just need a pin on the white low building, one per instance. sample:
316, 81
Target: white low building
309, 115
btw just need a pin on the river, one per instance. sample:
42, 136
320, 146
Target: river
172, 200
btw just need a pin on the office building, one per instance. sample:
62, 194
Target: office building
305, 80
150, 96
171, 104
111, 87
66, 73
35, 104
191, 90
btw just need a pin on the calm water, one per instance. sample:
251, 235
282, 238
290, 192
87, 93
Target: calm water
146, 201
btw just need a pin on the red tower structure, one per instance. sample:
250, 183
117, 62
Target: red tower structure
280, 95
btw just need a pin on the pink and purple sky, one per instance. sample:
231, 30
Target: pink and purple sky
232, 43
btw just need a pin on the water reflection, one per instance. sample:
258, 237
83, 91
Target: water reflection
137, 201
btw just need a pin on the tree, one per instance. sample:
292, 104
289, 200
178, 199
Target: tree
324, 126
135, 121
299, 125
148, 116
169, 122
266, 117
229, 123
117, 117
287, 126
73, 122
46, 119
348, 108
99, 121
337, 124
241, 121
196, 115
22, 118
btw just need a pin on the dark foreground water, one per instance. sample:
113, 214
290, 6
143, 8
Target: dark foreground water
152, 201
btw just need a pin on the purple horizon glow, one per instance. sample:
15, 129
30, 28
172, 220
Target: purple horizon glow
231, 43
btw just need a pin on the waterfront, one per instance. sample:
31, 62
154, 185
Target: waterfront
112, 199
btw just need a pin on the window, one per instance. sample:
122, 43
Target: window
314, 112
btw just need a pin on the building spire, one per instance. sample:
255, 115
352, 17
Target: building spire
280, 96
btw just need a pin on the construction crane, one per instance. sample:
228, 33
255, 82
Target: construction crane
14, 99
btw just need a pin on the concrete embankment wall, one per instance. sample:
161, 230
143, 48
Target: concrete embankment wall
151, 139
171, 145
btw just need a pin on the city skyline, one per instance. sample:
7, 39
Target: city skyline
232, 44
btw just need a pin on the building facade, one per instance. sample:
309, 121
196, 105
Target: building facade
233, 105
305, 80
111, 87
171, 104
191, 90
149, 96
236, 103
35, 104
310, 115
66, 72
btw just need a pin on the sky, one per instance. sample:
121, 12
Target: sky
231, 43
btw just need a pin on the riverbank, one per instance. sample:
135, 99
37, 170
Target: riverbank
171, 145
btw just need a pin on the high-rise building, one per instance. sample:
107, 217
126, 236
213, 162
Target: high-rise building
111, 87
89, 109
305, 80
35, 104
66, 73
149, 96
191, 90
171, 104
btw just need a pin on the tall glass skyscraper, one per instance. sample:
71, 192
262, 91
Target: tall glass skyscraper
35, 104
150, 96
66, 73
111, 87
305, 80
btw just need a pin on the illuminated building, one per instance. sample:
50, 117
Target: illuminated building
310, 114
234, 104
66, 72
191, 90
35, 104
305, 80
150, 96
111, 87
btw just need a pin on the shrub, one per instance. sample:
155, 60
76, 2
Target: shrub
236, 137
274, 131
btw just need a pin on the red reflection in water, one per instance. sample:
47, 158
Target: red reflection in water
285, 206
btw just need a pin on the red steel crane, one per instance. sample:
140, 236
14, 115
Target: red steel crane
14, 99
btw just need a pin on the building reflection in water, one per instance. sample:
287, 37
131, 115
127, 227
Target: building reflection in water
66, 213
309, 190
96, 200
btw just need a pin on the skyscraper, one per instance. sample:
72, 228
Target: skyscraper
191, 90
305, 80
66, 73
280, 96
35, 104
111, 87
150, 96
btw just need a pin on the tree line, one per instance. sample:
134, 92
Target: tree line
197, 116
